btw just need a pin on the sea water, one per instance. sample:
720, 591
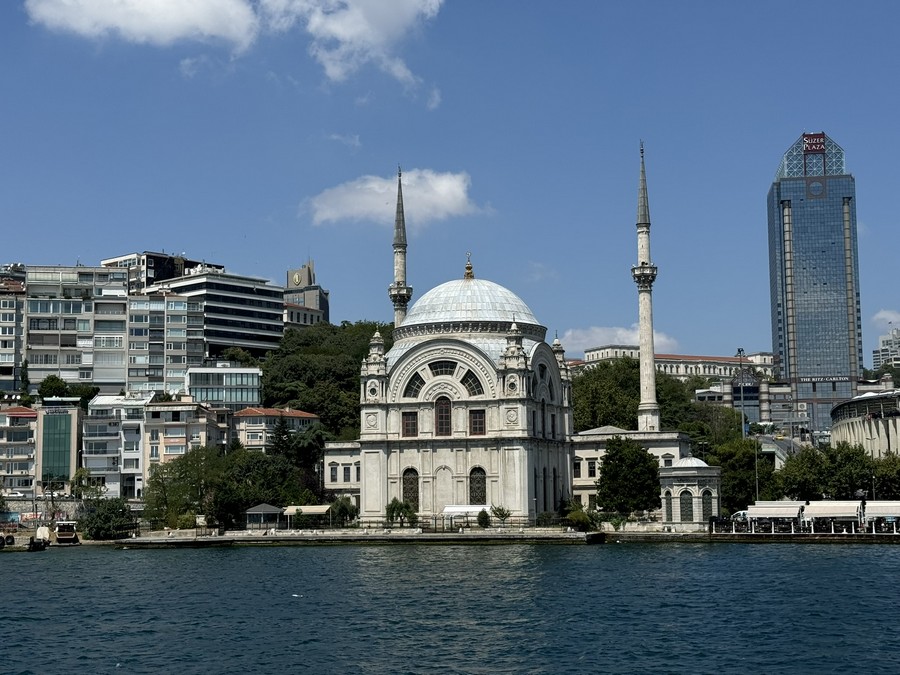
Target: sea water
614, 608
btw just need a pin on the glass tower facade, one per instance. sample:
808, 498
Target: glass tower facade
814, 278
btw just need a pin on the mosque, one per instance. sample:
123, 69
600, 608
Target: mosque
472, 408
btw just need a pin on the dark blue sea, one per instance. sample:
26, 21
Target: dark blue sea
615, 608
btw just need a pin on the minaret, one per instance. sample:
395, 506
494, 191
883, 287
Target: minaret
398, 291
644, 274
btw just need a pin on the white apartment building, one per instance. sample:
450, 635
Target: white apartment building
888, 352
238, 311
12, 309
171, 428
17, 450
165, 338
254, 426
76, 325
112, 444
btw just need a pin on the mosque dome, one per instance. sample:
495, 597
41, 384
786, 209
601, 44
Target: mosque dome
470, 300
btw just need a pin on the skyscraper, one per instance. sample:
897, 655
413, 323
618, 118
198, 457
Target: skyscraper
814, 277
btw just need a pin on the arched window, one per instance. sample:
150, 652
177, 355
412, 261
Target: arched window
411, 488
472, 384
668, 506
546, 487
442, 367
687, 507
442, 416
414, 386
477, 486
707, 505
543, 419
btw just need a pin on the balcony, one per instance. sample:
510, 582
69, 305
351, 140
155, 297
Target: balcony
109, 433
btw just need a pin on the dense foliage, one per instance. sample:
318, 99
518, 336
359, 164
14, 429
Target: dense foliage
106, 519
222, 485
629, 478
745, 473
833, 472
317, 370
53, 385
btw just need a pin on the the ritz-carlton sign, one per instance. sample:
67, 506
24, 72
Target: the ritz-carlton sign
813, 143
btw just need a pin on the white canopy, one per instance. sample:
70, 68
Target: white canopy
883, 509
784, 510
307, 510
832, 509
465, 509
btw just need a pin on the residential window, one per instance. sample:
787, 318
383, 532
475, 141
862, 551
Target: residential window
576, 469
410, 424
477, 425
358, 475
592, 468
442, 416
346, 474
334, 474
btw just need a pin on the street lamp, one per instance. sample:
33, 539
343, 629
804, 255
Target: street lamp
740, 353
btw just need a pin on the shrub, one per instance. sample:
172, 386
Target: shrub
187, 521
546, 519
580, 521
484, 520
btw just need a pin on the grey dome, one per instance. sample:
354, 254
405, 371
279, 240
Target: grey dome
469, 300
694, 462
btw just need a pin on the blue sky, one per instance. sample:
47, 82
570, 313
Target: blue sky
261, 133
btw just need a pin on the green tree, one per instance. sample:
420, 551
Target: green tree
241, 356
742, 464
24, 379
500, 513
106, 519
400, 511
317, 370
803, 475
280, 438
607, 394
887, 477
343, 511
832, 472
85, 392
51, 386
629, 478
83, 487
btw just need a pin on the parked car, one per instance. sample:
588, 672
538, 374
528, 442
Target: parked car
15, 494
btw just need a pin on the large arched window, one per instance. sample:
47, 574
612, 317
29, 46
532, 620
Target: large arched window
442, 416
555, 488
687, 507
411, 488
477, 486
668, 500
707, 505
414, 386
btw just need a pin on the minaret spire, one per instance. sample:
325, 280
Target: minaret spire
644, 274
398, 291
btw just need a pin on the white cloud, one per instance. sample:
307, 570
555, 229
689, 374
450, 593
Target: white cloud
347, 34
434, 99
350, 140
428, 196
884, 317
538, 271
579, 339
155, 22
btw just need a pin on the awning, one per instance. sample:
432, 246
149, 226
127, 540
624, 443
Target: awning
882, 509
836, 509
787, 511
465, 509
307, 510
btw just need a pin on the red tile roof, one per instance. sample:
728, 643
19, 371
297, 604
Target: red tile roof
274, 412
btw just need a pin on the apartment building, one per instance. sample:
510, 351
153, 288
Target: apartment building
112, 443
17, 450
225, 385
149, 268
76, 325
12, 309
254, 426
171, 428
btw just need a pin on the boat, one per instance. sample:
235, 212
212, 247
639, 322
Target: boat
36, 545
66, 534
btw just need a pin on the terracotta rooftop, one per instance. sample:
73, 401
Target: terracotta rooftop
274, 412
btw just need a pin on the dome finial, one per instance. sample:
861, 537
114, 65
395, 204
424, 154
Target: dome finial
469, 273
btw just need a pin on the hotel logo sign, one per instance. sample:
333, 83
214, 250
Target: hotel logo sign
813, 143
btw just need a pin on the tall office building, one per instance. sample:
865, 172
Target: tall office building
814, 277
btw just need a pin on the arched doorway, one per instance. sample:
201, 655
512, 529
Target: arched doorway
687, 507
411, 488
477, 486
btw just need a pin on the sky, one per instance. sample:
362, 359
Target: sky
260, 134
